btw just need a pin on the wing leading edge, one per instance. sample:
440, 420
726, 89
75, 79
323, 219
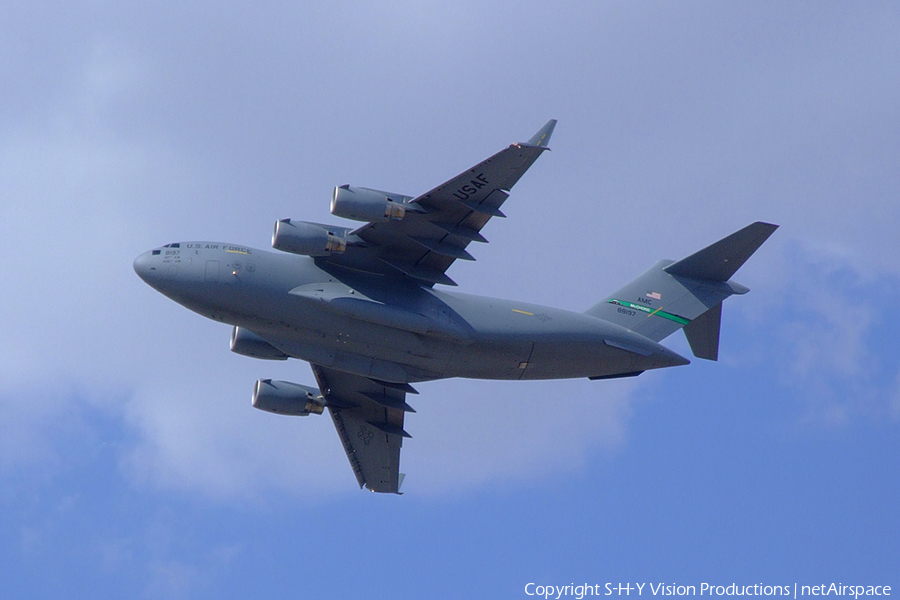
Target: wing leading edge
441, 223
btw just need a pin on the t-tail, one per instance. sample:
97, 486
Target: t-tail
687, 293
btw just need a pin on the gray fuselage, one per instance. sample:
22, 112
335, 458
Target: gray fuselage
390, 329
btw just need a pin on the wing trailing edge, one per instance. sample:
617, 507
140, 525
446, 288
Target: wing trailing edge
439, 224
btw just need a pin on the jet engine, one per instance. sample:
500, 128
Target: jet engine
310, 239
286, 398
363, 204
249, 344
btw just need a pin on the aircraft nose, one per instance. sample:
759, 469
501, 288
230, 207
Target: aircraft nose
143, 266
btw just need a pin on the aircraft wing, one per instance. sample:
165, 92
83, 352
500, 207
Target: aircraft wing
440, 224
368, 416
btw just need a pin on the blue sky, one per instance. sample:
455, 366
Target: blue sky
131, 462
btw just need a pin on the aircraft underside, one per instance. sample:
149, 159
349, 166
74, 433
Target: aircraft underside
360, 305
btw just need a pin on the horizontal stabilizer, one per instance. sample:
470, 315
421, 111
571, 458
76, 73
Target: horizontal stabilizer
719, 261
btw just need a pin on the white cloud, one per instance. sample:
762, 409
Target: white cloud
471, 433
894, 399
827, 333
40, 423
198, 436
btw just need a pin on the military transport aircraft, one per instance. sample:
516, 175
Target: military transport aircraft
361, 306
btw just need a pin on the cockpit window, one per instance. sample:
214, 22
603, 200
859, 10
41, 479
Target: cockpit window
176, 245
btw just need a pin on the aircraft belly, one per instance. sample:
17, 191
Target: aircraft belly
571, 359
490, 359
514, 340
414, 353
358, 347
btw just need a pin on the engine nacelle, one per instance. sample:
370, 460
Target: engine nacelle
363, 204
310, 239
249, 344
286, 398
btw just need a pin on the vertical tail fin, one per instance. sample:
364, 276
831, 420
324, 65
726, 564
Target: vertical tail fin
686, 294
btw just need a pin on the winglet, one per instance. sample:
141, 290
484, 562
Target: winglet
542, 137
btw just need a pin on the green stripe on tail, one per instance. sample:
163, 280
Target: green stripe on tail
658, 312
